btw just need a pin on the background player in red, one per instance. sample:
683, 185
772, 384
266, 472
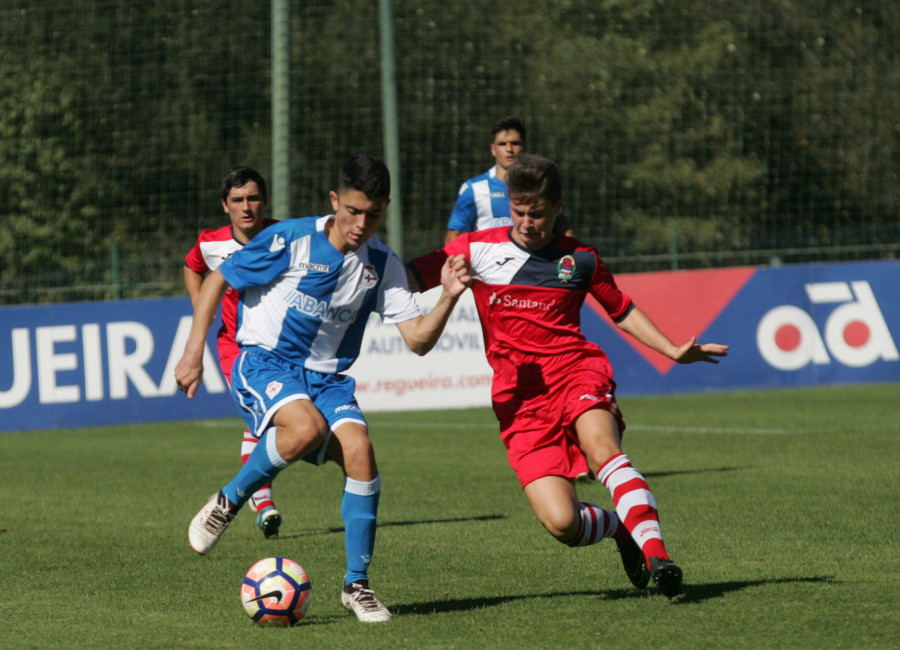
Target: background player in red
244, 200
553, 390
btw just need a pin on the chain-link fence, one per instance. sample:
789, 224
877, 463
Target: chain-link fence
690, 134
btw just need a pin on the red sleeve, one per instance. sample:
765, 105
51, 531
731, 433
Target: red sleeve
604, 289
194, 259
427, 269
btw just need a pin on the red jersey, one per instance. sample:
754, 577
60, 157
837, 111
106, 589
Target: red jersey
530, 304
212, 248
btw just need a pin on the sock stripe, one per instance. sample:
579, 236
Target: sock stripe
594, 524
272, 450
362, 488
634, 503
590, 515
610, 466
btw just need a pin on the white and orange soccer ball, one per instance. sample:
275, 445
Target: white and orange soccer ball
276, 592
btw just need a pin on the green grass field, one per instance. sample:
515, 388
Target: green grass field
781, 506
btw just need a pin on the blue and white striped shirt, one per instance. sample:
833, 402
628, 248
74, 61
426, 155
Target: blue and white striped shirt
307, 302
483, 203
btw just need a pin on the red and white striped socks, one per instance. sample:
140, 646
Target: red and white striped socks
634, 504
596, 524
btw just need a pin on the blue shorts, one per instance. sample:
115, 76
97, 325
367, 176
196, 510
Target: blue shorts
262, 382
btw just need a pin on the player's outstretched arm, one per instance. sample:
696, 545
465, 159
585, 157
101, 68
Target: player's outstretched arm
639, 325
192, 282
189, 371
693, 351
422, 332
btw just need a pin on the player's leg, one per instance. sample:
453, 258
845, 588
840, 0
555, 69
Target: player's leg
268, 519
555, 504
598, 432
299, 430
269, 392
352, 449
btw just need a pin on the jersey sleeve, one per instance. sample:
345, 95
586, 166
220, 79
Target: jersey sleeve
263, 259
603, 288
464, 212
194, 259
427, 268
396, 302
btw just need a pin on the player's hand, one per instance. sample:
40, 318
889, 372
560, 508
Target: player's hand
188, 375
456, 276
692, 351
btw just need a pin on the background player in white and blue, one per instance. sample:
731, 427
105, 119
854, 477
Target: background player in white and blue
306, 290
483, 201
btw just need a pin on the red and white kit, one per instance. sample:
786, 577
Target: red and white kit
212, 248
546, 373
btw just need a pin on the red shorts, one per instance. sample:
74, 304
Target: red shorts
228, 351
540, 439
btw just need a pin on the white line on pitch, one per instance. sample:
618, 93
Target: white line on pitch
759, 431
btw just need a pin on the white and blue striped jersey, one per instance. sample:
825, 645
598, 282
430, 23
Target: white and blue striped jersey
483, 203
307, 302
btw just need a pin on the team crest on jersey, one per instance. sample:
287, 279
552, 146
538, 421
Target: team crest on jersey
274, 388
565, 269
369, 277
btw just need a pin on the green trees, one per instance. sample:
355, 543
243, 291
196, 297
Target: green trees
690, 133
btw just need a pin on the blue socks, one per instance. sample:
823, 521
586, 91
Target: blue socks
261, 467
359, 509
359, 506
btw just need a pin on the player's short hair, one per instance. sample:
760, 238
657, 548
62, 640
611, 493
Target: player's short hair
366, 174
534, 178
508, 123
240, 176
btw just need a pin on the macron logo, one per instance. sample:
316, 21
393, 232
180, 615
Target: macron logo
277, 244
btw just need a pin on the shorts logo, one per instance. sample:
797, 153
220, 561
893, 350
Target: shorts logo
369, 278
565, 269
274, 388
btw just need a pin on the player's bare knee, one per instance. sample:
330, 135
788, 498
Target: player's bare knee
299, 439
359, 453
561, 526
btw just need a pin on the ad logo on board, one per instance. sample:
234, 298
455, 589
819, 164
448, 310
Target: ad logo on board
855, 334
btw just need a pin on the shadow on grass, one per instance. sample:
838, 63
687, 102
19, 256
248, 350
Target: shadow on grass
467, 604
696, 593
711, 470
693, 594
387, 524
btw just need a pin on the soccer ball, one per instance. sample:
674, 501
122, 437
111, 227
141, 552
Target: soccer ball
276, 591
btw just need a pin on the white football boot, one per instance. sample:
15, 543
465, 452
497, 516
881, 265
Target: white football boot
361, 600
208, 525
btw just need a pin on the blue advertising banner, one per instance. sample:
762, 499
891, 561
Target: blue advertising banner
787, 326
87, 364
